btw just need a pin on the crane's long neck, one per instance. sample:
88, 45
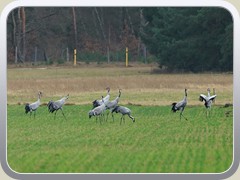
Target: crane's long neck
208, 92
39, 97
117, 98
185, 97
119, 94
103, 102
62, 101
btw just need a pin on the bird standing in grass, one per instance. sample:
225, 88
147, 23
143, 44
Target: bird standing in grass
98, 111
208, 100
180, 105
124, 111
33, 107
97, 103
55, 106
112, 104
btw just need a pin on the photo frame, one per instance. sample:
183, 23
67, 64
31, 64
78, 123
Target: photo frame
236, 88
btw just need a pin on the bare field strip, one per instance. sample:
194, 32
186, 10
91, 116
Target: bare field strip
139, 85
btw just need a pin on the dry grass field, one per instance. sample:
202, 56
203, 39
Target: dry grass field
139, 85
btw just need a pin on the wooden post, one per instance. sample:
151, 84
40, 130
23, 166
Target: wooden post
75, 57
126, 56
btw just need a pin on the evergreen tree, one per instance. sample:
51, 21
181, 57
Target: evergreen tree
190, 39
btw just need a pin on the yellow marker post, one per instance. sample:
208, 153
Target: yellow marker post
75, 57
126, 56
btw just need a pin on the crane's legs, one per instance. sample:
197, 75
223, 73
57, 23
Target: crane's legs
181, 115
112, 117
63, 115
122, 119
100, 118
34, 114
55, 114
208, 112
103, 115
107, 116
96, 119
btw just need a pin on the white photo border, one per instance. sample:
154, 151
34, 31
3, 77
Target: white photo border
122, 3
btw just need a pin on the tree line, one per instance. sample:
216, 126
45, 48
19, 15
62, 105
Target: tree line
190, 39
181, 39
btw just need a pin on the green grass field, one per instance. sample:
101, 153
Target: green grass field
158, 142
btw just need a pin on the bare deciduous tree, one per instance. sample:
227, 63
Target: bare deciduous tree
74, 27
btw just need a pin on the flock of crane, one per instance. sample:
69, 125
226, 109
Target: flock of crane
100, 106
180, 106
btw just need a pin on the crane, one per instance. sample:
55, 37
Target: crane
180, 106
56, 105
97, 103
124, 111
112, 104
98, 111
33, 106
208, 100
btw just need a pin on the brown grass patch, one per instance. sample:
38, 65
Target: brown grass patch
138, 84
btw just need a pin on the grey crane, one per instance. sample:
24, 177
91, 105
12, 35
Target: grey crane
180, 106
124, 111
56, 105
33, 106
112, 104
97, 103
98, 111
208, 100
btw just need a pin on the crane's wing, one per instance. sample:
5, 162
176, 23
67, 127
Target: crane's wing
181, 104
109, 104
57, 105
202, 97
213, 97
60, 102
106, 98
34, 105
112, 104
